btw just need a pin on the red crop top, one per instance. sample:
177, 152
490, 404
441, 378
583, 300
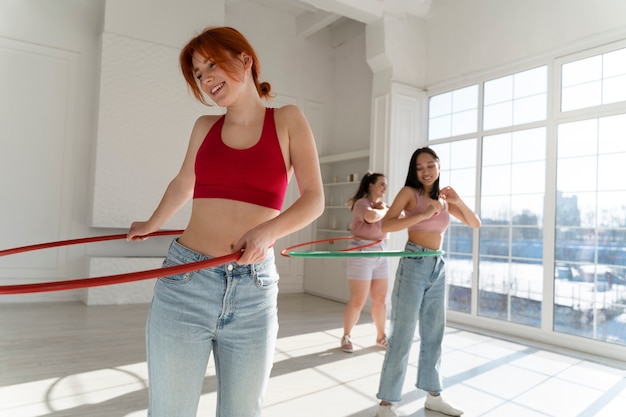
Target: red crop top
436, 224
254, 175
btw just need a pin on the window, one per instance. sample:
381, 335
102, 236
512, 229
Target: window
511, 237
525, 157
458, 169
593, 81
516, 99
590, 270
454, 113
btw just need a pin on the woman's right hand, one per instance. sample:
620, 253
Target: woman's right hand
139, 231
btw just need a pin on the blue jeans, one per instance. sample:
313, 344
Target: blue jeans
418, 296
230, 310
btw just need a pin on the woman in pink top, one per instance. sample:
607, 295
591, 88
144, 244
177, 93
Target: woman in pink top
367, 275
229, 311
418, 296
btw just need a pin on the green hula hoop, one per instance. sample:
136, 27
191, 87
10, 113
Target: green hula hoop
363, 254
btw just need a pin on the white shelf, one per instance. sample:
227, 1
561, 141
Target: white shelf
335, 184
326, 277
346, 156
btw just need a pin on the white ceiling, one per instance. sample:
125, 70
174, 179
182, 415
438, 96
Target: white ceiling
314, 15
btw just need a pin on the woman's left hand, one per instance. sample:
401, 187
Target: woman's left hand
448, 194
254, 245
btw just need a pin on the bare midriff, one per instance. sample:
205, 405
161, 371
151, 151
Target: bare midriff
216, 224
429, 240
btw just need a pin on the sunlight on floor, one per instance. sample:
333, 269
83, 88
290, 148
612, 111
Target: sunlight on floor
485, 376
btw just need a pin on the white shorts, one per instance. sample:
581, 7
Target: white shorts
367, 268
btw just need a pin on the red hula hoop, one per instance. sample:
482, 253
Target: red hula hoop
108, 279
285, 252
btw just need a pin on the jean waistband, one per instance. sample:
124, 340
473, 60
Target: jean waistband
414, 247
183, 252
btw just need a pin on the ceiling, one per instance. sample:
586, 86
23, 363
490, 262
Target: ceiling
314, 15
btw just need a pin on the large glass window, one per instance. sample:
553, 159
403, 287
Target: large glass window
454, 113
511, 237
516, 99
458, 170
590, 246
596, 80
531, 157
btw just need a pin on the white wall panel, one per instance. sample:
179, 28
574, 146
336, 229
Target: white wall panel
39, 82
127, 293
145, 117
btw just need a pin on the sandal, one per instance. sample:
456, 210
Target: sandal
382, 343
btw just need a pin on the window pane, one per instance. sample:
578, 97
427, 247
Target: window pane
464, 182
453, 113
494, 240
567, 210
576, 174
611, 172
495, 210
575, 244
462, 155
512, 100
530, 109
495, 179
497, 149
529, 145
581, 96
458, 169
587, 205
531, 82
498, 90
498, 115
459, 270
582, 71
440, 127
614, 63
577, 138
511, 235
611, 134
611, 247
527, 209
511, 291
527, 242
594, 81
528, 177
465, 99
612, 211
460, 239
614, 90
440, 105
464, 122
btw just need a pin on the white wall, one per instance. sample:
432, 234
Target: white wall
469, 36
352, 85
46, 136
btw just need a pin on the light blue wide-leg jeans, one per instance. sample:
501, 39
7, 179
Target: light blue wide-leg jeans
229, 310
418, 296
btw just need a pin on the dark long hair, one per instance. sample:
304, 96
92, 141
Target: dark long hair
221, 45
364, 187
411, 176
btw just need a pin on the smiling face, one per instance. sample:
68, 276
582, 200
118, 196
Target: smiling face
217, 63
427, 169
217, 83
377, 190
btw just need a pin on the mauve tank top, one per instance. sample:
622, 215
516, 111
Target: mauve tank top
436, 224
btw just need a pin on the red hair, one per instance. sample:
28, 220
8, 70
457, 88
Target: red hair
220, 45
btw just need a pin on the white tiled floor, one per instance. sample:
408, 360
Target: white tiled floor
70, 360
